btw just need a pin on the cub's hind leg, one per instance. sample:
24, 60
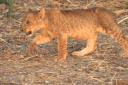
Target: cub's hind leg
91, 46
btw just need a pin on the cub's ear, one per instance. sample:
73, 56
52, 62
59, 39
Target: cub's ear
42, 12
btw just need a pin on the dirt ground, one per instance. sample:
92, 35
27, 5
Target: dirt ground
106, 66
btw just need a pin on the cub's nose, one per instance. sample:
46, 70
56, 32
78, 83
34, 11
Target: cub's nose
29, 32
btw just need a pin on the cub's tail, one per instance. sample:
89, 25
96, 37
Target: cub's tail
111, 28
119, 37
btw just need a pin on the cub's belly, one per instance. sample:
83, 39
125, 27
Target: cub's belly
80, 35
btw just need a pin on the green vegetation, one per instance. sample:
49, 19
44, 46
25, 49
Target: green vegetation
9, 3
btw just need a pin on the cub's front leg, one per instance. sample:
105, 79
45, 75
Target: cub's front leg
40, 39
62, 48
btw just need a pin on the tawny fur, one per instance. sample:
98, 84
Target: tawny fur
83, 24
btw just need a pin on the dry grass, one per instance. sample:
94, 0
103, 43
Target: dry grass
104, 67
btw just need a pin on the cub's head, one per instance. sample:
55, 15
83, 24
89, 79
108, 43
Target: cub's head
34, 21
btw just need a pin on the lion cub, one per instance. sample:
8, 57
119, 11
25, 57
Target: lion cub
83, 24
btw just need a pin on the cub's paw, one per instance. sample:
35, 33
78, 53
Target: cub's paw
31, 50
77, 53
60, 59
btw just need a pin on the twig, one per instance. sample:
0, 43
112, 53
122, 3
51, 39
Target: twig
122, 20
1, 39
69, 1
97, 79
28, 58
92, 2
76, 5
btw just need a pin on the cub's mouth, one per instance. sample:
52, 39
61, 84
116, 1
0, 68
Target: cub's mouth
28, 33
